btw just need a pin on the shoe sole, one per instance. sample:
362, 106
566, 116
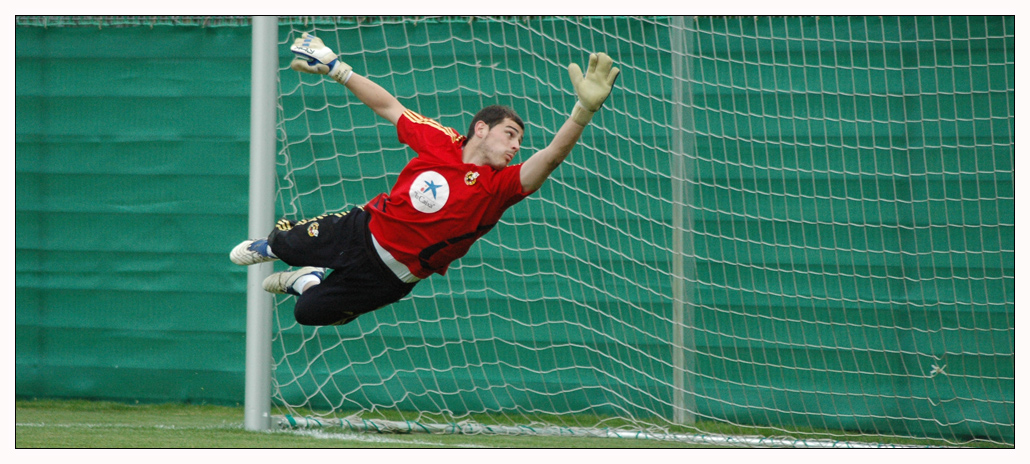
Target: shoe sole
280, 281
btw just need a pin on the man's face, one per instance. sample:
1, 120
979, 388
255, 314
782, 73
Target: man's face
501, 143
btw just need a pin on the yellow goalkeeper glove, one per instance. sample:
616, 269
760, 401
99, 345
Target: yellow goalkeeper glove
593, 88
315, 58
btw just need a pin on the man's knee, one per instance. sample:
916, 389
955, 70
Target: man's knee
315, 317
275, 237
317, 307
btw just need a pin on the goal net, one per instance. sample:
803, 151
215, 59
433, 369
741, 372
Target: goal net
776, 227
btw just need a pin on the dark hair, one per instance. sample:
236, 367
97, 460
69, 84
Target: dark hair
492, 116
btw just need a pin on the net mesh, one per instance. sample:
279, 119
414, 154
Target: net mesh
801, 225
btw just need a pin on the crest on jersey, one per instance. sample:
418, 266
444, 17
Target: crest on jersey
313, 229
429, 192
470, 178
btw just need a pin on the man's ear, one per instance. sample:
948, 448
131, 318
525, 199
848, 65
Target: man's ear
482, 129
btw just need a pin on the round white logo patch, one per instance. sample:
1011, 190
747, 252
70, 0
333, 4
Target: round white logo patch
429, 192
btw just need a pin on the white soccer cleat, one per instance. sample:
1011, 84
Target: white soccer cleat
282, 282
251, 251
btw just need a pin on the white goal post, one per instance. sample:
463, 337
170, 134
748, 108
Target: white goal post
261, 218
789, 227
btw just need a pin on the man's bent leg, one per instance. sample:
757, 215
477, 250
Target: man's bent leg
359, 282
343, 296
312, 242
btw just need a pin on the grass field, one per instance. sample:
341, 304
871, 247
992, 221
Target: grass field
88, 424
73, 424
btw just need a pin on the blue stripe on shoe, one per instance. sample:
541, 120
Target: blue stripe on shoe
260, 247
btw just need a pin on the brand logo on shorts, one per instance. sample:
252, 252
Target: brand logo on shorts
429, 192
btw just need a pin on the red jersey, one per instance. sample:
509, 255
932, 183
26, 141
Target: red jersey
439, 205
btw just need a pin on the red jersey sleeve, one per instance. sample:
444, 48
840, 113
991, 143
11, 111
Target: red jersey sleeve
425, 135
508, 184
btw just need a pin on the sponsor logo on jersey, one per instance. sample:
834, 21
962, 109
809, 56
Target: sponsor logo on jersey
429, 192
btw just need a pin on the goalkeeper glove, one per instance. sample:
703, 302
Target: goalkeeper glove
593, 88
315, 58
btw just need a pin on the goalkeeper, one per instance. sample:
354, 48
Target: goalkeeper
451, 194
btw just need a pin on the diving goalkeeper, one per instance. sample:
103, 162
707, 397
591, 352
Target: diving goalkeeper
447, 197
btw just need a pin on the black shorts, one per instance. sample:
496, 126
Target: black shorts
359, 281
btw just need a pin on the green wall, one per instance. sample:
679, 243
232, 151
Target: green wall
131, 158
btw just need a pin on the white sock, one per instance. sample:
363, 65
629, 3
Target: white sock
303, 281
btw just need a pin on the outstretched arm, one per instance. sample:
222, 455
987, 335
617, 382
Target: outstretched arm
374, 96
539, 167
592, 89
312, 56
